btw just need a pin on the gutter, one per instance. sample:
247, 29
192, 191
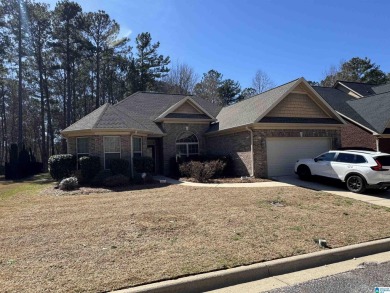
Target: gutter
252, 153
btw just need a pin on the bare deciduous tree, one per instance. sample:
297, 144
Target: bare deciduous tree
262, 82
181, 79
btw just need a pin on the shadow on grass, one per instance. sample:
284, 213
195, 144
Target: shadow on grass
131, 187
338, 184
42, 179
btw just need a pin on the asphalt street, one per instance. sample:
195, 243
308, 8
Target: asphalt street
365, 278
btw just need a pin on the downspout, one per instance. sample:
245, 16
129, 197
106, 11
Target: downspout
252, 153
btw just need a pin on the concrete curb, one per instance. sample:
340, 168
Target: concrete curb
234, 276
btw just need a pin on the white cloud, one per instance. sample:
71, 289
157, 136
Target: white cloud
125, 32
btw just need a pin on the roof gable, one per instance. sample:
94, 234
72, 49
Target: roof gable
254, 109
186, 108
301, 101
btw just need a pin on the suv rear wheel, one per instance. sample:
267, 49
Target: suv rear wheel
304, 172
356, 183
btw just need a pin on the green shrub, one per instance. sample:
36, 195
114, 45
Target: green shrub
143, 164
2, 170
98, 180
70, 183
202, 171
89, 167
61, 166
116, 180
119, 166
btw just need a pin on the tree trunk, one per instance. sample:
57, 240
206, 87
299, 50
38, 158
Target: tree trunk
49, 121
43, 128
68, 79
97, 77
20, 89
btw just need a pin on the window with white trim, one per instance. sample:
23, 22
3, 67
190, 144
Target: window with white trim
137, 146
187, 145
112, 149
82, 145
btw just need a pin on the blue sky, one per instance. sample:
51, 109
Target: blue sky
285, 39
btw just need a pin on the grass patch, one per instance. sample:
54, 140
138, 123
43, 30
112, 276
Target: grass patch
29, 185
101, 242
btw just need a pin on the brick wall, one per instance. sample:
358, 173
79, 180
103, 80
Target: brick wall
353, 136
96, 147
237, 146
173, 130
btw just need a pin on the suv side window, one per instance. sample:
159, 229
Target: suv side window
345, 158
359, 159
327, 157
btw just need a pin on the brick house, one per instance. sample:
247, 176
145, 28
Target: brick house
366, 109
264, 134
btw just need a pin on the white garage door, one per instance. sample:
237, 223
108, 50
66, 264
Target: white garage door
282, 153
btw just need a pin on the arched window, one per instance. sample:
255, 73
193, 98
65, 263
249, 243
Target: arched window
187, 144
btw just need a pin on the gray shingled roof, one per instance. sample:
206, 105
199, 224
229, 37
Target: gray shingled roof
372, 111
363, 89
138, 112
249, 110
107, 117
153, 105
375, 110
380, 89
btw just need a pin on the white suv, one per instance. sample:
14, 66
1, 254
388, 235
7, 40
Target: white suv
358, 169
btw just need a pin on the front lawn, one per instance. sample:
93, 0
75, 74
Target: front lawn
100, 242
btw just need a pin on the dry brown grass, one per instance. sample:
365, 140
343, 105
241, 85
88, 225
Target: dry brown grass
100, 242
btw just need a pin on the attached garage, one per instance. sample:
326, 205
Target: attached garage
282, 153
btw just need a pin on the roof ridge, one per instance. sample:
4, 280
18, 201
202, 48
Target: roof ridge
106, 105
261, 93
133, 94
355, 82
163, 93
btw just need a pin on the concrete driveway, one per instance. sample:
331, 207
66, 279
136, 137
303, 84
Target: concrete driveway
327, 185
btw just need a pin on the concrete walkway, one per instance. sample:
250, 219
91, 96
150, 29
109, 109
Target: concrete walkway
255, 184
370, 196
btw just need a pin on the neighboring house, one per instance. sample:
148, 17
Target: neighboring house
264, 134
366, 109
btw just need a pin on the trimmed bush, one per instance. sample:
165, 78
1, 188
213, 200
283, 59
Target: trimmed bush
202, 171
98, 180
227, 171
116, 181
62, 166
70, 183
143, 164
89, 167
119, 166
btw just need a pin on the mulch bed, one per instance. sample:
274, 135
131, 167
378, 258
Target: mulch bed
229, 180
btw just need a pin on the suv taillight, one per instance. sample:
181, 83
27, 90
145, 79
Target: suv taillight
378, 167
